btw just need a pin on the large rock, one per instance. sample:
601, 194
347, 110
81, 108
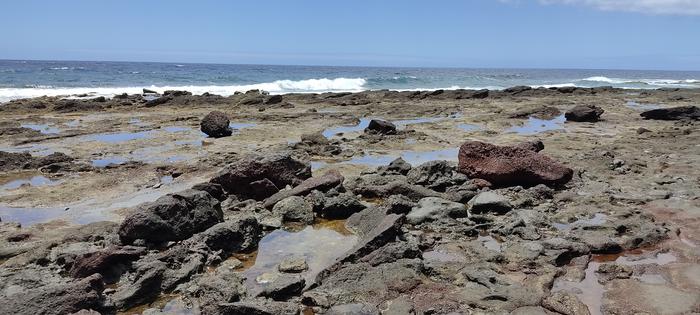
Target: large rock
280, 169
510, 166
328, 180
341, 206
216, 125
584, 113
172, 217
673, 113
432, 208
294, 209
489, 201
381, 127
64, 298
107, 262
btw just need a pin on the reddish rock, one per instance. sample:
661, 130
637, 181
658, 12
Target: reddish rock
328, 180
510, 165
105, 262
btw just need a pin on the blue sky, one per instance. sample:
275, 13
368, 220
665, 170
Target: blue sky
616, 34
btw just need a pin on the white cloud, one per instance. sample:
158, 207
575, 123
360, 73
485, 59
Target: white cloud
675, 7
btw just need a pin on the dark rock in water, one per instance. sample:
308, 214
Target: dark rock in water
147, 91
172, 217
280, 168
216, 125
328, 180
535, 145
257, 307
381, 127
673, 113
341, 206
587, 113
176, 93
566, 89
59, 299
99, 99
122, 96
510, 166
396, 167
480, 94
108, 262
158, 101
283, 287
274, 99
293, 265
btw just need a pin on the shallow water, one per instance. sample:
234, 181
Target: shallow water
30, 216
104, 162
240, 125
43, 128
119, 136
638, 106
535, 125
489, 242
174, 129
331, 132
589, 290
320, 244
35, 181
468, 127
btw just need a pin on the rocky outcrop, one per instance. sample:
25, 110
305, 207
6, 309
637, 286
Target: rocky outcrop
216, 125
108, 262
673, 113
510, 166
172, 217
432, 208
328, 180
280, 169
381, 127
588, 113
63, 298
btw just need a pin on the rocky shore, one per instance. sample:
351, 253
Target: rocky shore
521, 201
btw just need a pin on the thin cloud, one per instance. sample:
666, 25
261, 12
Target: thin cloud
672, 7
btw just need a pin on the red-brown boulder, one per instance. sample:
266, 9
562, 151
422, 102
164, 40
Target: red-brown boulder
510, 165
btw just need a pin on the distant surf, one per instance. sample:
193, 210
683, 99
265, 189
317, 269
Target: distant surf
24, 79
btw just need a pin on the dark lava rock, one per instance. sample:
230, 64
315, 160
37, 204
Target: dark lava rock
396, 167
59, 299
274, 99
517, 89
489, 201
535, 145
588, 113
12, 161
294, 209
108, 262
215, 190
510, 166
381, 127
176, 93
216, 125
143, 289
328, 180
159, 101
257, 307
542, 112
231, 236
221, 286
341, 206
172, 217
433, 209
673, 113
480, 94
280, 168
283, 287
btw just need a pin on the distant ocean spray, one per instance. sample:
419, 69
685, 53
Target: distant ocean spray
22, 79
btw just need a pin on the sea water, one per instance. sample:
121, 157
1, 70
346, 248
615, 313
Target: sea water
24, 78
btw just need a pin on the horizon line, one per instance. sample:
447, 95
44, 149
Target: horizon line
344, 66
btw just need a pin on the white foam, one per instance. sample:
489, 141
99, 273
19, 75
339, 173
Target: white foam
276, 87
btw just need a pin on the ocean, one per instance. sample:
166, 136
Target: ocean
22, 79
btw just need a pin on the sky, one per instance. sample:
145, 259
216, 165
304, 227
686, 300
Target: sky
590, 34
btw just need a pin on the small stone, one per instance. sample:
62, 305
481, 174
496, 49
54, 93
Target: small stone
293, 265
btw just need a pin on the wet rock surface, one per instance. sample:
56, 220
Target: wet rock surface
239, 225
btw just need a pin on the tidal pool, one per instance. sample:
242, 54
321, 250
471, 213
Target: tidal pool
43, 128
104, 162
35, 181
535, 125
29, 216
119, 136
331, 132
639, 106
320, 244
597, 220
